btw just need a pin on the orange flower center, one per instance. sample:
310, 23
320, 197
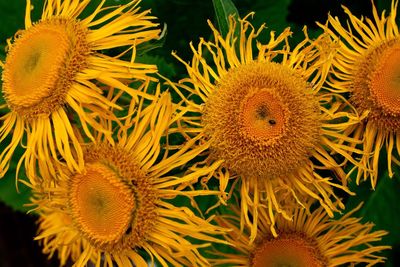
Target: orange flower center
262, 119
263, 115
102, 204
38, 60
42, 64
376, 85
292, 250
385, 80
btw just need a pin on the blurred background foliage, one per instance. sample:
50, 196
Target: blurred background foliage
184, 21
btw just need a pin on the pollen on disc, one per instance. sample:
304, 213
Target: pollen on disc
102, 205
33, 67
263, 115
287, 251
385, 80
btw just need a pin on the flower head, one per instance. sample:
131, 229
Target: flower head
54, 74
264, 116
309, 240
367, 66
118, 208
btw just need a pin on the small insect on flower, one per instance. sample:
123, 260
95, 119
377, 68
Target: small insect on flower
53, 76
265, 117
118, 210
367, 67
310, 240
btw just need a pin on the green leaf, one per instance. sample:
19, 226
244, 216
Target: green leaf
273, 13
10, 196
146, 47
164, 67
8, 191
381, 208
223, 10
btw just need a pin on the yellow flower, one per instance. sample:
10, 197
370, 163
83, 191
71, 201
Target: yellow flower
53, 76
268, 123
367, 66
312, 240
118, 208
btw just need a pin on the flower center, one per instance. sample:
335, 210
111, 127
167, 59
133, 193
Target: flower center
292, 250
36, 62
42, 64
263, 115
376, 85
262, 119
385, 80
102, 204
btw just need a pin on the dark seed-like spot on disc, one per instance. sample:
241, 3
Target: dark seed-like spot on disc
129, 230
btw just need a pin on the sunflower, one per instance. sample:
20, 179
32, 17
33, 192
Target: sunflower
118, 210
266, 119
366, 67
53, 76
312, 240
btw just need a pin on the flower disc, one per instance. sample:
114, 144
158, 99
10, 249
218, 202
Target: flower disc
292, 250
101, 204
385, 82
112, 203
42, 64
263, 115
377, 85
262, 120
